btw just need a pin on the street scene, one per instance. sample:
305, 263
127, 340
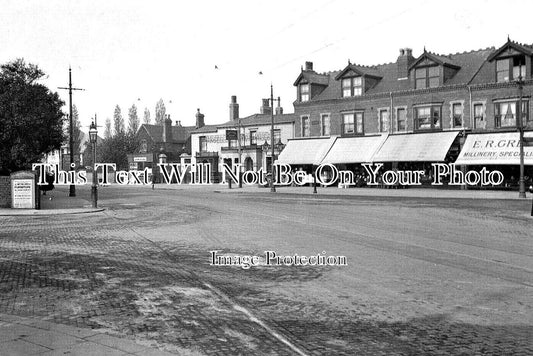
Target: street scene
142, 270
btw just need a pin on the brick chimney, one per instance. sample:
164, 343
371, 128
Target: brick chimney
309, 66
404, 61
167, 130
199, 119
265, 108
279, 109
233, 109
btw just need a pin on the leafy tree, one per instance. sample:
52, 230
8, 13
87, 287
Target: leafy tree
31, 119
118, 121
160, 111
133, 120
107, 129
76, 132
146, 116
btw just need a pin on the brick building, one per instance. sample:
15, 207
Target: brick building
209, 143
416, 110
172, 140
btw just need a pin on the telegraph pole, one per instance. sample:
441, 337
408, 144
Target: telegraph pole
272, 187
72, 191
521, 183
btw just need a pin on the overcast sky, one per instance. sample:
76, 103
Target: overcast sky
135, 52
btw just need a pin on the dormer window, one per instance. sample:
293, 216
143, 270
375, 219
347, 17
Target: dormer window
304, 92
508, 69
427, 77
352, 87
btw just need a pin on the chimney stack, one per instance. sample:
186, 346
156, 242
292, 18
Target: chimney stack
404, 61
199, 119
167, 130
178, 122
265, 108
309, 66
279, 109
233, 109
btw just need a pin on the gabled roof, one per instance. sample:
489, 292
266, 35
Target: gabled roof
312, 77
439, 59
509, 45
360, 70
473, 65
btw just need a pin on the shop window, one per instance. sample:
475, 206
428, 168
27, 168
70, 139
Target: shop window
352, 123
352, 87
306, 132
505, 113
428, 117
325, 130
383, 121
457, 115
304, 92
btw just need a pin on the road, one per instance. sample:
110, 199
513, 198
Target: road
423, 276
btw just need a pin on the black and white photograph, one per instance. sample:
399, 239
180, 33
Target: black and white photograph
227, 178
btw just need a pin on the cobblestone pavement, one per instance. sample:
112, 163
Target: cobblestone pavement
141, 270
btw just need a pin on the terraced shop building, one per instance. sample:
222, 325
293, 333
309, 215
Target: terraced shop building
417, 111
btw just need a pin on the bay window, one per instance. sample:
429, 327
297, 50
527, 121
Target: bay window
428, 117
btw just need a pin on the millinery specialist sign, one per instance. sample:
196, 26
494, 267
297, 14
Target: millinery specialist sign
498, 148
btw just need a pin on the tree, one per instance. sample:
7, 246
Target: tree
133, 120
146, 116
160, 111
31, 119
118, 121
107, 129
76, 133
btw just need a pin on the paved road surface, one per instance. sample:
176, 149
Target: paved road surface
424, 276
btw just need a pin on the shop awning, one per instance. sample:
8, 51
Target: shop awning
418, 147
305, 151
494, 148
354, 149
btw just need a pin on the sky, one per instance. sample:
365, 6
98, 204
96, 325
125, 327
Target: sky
137, 52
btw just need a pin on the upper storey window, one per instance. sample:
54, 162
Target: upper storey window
304, 92
352, 87
508, 69
427, 77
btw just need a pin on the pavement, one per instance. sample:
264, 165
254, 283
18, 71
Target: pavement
56, 202
33, 336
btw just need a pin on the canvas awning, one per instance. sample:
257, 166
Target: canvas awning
354, 149
418, 147
494, 148
305, 151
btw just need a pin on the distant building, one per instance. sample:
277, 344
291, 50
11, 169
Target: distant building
171, 140
210, 143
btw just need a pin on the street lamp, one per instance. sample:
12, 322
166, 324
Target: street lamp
93, 137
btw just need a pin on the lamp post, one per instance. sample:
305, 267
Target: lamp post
520, 124
93, 137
